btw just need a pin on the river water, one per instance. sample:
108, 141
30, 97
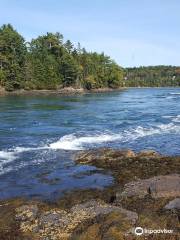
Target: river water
39, 135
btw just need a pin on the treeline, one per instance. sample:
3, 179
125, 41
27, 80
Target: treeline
48, 62
152, 76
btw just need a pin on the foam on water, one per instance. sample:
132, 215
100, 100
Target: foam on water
72, 142
6, 156
176, 119
10, 155
75, 142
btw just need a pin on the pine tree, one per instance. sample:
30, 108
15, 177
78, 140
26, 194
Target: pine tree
12, 58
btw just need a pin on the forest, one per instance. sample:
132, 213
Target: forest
152, 76
49, 62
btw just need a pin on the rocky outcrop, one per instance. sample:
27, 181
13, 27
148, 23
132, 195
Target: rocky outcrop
127, 165
107, 156
104, 156
157, 187
60, 224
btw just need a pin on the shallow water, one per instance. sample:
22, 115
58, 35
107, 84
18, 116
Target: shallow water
39, 135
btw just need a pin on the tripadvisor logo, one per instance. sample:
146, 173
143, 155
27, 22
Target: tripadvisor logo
139, 231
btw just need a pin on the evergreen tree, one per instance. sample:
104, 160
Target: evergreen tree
49, 63
12, 58
69, 70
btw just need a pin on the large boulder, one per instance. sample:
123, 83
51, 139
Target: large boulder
159, 186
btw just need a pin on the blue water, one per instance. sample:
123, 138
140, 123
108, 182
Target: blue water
39, 135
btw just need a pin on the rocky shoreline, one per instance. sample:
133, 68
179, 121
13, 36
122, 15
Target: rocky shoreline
145, 193
61, 91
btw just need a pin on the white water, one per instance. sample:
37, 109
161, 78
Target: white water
9, 155
176, 119
74, 142
71, 142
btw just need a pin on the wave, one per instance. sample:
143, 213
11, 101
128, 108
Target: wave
176, 119
72, 142
75, 142
6, 156
9, 155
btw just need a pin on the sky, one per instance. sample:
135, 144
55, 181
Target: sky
132, 32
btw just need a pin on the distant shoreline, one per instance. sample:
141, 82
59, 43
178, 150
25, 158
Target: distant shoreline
66, 91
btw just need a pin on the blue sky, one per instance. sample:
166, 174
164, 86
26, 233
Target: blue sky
132, 32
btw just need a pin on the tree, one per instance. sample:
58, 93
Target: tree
152, 76
12, 58
69, 46
69, 70
44, 56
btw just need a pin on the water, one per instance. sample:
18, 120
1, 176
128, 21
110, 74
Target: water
39, 135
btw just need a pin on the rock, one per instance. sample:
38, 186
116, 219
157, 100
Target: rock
94, 208
174, 204
148, 154
26, 213
54, 218
127, 166
103, 156
126, 154
138, 188
160, 186
61, 224
165, 186
70, 90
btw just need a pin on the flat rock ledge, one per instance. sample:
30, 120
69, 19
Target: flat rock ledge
60, 224
157, 187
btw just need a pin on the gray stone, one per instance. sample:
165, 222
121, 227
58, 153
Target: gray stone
159, 186
174, 204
